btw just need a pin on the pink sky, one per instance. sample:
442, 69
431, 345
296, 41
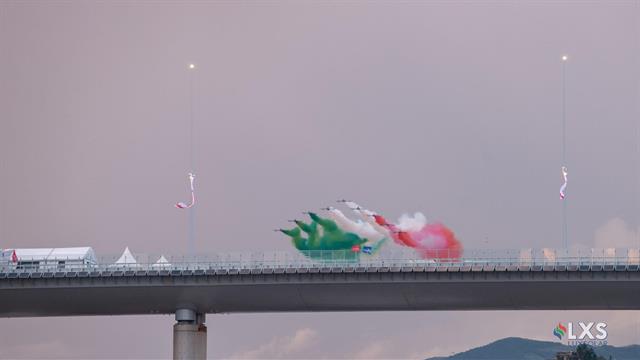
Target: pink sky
449, 108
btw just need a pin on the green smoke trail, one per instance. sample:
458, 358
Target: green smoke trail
296, 237
325, 240
313, 234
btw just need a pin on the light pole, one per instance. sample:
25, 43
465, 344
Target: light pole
565, 58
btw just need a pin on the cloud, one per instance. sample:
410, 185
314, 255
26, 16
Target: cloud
615, 233
281, 347
399, 348
371, 351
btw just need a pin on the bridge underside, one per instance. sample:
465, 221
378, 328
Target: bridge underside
390, 291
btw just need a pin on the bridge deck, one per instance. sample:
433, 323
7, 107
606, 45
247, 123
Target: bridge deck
331, 287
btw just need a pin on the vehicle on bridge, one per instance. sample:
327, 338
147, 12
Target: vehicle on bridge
47, 258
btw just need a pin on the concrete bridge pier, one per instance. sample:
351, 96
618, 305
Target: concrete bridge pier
189, 336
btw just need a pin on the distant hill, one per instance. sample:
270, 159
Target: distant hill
524, 349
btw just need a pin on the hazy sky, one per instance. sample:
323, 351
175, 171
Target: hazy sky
450, 108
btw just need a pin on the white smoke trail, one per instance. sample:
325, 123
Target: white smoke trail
367, 216
360, 228
412, 223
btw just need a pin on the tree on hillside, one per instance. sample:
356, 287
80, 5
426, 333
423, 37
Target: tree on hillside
586, 352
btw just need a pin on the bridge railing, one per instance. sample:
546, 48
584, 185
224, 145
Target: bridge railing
247, 261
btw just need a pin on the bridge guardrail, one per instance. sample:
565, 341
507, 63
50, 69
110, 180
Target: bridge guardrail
339, 259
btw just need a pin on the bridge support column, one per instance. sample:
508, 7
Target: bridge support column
189, 336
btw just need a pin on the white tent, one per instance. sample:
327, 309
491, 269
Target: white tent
49, 258
161, 263
126, 259
57, 254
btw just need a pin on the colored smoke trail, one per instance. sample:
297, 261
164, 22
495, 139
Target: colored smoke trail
366, 235
359, 227
370, 218
430, 240
412, 223
323, 239
401, 237
439, 242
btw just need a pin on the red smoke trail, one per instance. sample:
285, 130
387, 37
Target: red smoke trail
432, 241
400, 237
438, 242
